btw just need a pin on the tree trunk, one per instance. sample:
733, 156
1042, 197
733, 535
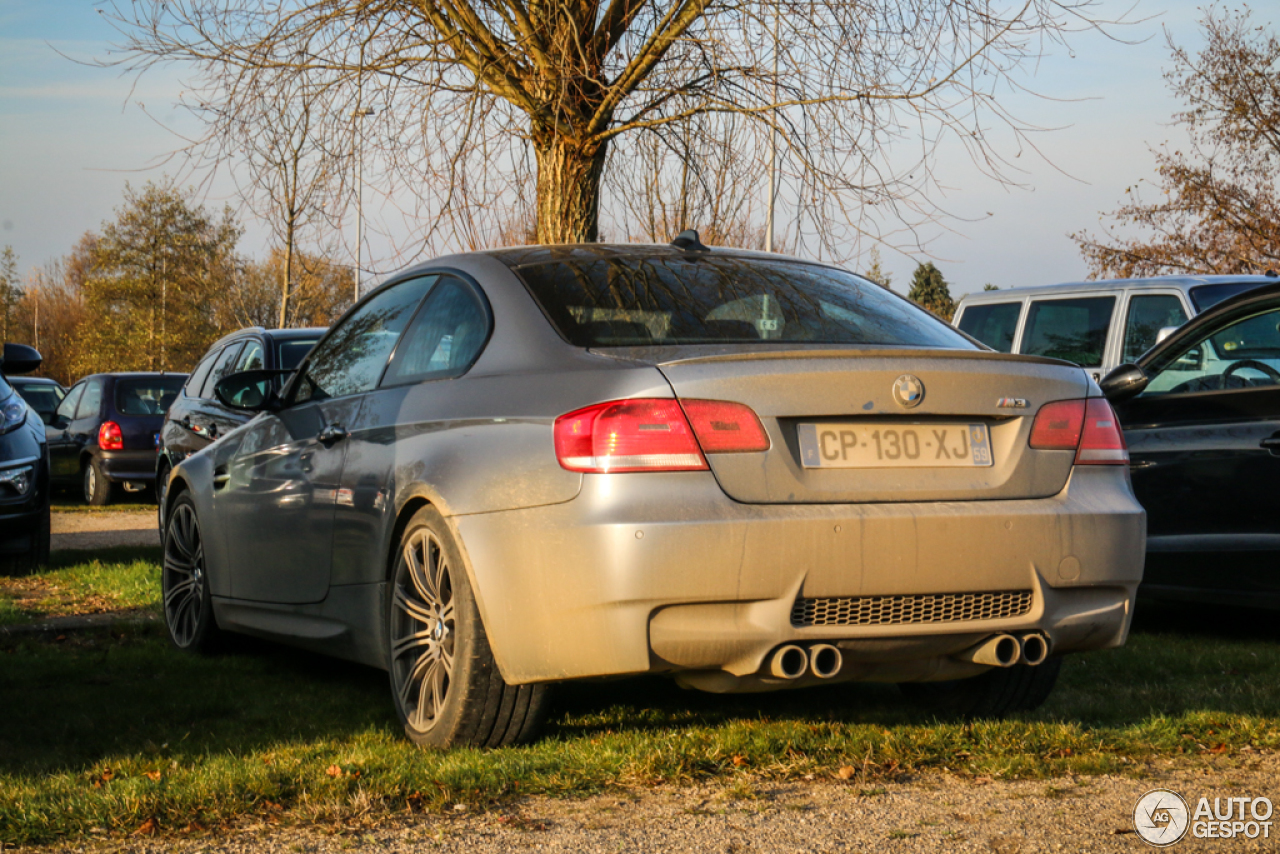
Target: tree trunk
286, 285
568, 190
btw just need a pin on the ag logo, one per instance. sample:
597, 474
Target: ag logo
908, 391
1161, 817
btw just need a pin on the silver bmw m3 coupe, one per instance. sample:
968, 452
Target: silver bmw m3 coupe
506, 469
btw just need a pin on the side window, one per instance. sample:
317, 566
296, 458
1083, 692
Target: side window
221, 368
352, 358
1244, 354
199, 375
250, 358
67, 409
1148, 314
445, 337
1070, 329
994, 324
91, 402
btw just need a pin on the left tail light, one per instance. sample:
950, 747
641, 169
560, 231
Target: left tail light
109, 437
655, 435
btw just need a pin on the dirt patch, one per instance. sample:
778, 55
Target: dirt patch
933, 812
103, 530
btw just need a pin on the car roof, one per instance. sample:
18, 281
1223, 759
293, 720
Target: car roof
40, 380
290, 334
129, 375
1179, 282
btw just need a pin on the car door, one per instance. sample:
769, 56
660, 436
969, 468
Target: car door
209, 418
276, 494
178, 435
63, 460
1204, 444
82, 432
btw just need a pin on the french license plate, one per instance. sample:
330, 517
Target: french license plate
865, 446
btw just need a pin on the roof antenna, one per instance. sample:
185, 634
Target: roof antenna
688, 240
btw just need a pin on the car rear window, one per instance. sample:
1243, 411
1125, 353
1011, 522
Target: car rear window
630, 300
993, 324
147, 395
43, 397
289, 354
1071, 329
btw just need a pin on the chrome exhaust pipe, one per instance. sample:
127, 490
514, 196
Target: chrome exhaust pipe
789, 662
1035, 648
825, 660
995, 651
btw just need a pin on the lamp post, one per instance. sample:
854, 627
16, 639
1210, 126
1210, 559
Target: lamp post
360, 113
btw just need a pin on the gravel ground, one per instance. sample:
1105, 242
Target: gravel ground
934, 812
103, 530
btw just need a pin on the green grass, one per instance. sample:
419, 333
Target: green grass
112, 729
126, 502
117, 579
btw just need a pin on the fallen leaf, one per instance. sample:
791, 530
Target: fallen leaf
147, 828
1220, 748
739, 761
846, 771
334, 771
982, 781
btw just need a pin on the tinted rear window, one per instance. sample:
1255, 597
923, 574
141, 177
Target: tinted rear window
1206, 297
1070, 329
290, 353
147, 395
43, 397
993, 324
636, 301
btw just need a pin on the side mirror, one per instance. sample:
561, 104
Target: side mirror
249, 391
1124, 382
20, 359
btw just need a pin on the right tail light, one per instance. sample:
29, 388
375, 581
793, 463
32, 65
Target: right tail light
1088, 426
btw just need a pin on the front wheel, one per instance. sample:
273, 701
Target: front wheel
444, 679
184, 582
998, 692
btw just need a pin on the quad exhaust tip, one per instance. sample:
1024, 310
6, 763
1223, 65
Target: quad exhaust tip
825, 660
1035, 648
789, 662
995, 651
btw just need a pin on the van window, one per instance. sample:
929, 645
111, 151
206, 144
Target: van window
1148, 314
993, 323
1070, 329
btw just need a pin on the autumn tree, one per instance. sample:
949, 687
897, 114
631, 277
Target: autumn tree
875, 273
930, 290
157, 272
320, 292
1217, 209
492, 93
51, 312
10, 289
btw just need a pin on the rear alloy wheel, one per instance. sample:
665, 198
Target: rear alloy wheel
998, 692
445, 682
97, 489
184, 582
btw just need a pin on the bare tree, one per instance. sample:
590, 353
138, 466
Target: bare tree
1218, 210
489, 93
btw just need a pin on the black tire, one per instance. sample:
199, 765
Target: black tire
97, 489
996, 693
444, 679
184, 583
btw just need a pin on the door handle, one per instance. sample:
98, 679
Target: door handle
1272, 444
331, 435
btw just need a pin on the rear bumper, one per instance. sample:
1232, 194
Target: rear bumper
663, 573
132, 466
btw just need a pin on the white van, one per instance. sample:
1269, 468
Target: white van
1097, 325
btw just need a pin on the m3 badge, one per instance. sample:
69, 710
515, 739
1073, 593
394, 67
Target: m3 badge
1012, 403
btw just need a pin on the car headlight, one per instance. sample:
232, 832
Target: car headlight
18, 479
13, 412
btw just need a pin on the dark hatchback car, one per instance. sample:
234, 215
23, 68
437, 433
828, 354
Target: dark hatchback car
1201, 413
196, 417
104, 432
24, 471
41, 393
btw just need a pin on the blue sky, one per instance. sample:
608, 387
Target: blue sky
71, 135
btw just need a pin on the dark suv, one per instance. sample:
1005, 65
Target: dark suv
104, 432
197, 417
24, 471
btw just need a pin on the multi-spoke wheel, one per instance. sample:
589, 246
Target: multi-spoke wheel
447, 687
184, 582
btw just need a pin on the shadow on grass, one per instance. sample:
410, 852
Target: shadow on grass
62, 558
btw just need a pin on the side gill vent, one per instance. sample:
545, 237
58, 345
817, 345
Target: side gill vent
922, 608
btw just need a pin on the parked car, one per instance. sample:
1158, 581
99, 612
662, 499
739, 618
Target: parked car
24, 471
511, 468
1097, 325
104, 432
196, 417
1201, 412
43, 395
